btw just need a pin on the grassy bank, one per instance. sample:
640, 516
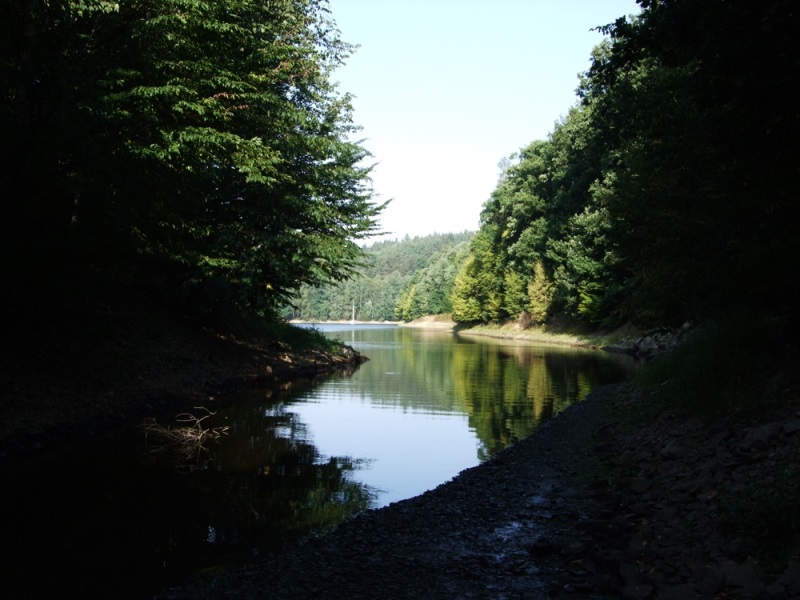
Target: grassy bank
619, 339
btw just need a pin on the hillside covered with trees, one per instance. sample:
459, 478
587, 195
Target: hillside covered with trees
199, 150
401, 280
667, 193
664, 196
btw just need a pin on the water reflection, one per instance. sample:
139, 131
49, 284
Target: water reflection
429, 404
266, 484
508, 389
119, 521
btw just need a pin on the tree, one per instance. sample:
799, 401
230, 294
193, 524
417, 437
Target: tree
407, 305
430, 290
403, 279
540, 295
466, 304
226, 149
550, 210
667, 194
515, 299
704, 193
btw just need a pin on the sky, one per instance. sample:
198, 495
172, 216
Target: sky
445, 89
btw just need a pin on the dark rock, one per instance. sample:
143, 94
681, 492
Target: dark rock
600, 528
684, 591
541, 548
741, 577
709, 582
758, 439
605, 582
637, 591
640, 485
630, 572
607, 559
775, 592
790, 579
673, 450
573, 549
791, 426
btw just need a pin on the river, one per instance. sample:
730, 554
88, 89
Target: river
124, 521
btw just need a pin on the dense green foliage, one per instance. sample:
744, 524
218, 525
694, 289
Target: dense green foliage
667, 193
401, 280
199, 144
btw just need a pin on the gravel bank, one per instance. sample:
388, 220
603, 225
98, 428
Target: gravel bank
486, 534
583, 509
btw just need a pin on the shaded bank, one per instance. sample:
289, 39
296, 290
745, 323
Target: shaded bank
106, 357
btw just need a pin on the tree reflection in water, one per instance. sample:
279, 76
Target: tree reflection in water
117, 521
264, 485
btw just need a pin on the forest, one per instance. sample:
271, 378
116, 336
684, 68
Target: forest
196, 155
663, 196
401, 281
666, 194
200, 150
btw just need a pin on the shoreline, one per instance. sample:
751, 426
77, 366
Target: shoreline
342, 322
590, 506
64, 387
625, 341
472, 536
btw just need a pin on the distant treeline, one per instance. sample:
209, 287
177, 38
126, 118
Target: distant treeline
402, 280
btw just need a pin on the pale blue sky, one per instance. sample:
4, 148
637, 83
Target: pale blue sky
444, 89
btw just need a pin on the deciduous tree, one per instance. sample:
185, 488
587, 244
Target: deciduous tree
204, 134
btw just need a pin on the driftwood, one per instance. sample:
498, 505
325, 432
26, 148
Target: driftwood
188, 441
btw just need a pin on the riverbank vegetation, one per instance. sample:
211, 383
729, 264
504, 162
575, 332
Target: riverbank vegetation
229, 181
664, 196
197, 149
171, 172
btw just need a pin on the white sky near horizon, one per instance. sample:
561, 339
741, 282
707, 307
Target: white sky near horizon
445, 89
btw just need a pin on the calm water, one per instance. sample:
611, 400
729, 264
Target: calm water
124, 521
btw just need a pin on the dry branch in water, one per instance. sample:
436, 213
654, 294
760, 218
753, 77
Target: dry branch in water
188, 441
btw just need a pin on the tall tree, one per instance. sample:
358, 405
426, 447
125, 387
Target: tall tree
704, 199
204, 134
668, 195
549, 212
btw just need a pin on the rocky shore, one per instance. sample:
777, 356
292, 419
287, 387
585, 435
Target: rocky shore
588, 507
595, 504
